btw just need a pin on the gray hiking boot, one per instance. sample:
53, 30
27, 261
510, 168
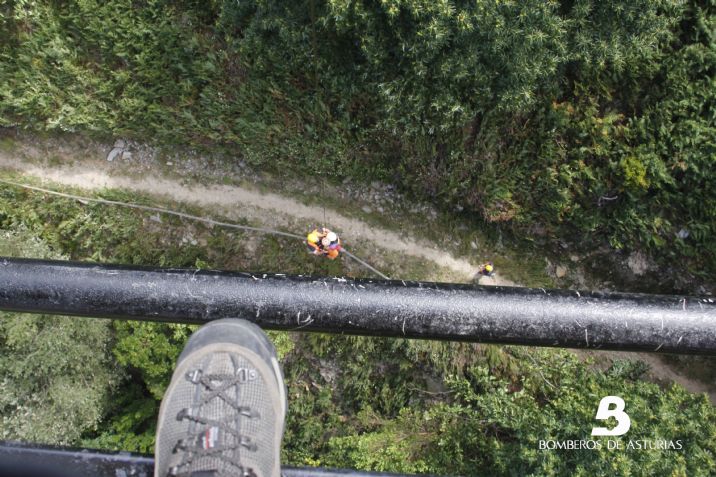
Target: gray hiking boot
224, 410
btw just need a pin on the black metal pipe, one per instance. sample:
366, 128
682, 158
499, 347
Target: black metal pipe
33, 460
536, 317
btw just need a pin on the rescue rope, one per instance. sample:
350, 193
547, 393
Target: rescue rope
182, 215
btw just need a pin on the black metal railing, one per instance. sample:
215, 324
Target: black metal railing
30, 460
510, 315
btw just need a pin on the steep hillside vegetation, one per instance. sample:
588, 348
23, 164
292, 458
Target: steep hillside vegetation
582, 121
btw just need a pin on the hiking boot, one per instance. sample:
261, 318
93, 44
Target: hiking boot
223, 413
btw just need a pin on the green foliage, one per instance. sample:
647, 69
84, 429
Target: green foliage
57, 372
102, 66
646, 146
492, 427
283, 342
152, 350
131, 424
397, 446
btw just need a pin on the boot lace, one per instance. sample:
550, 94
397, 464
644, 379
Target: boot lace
196, 445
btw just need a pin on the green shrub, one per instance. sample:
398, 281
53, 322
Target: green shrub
57, 373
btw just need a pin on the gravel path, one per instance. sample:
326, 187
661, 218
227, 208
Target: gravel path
242, 202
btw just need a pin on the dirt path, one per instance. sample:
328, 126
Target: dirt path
241, 202
659, 370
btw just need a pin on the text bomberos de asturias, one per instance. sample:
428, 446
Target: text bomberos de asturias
611, 444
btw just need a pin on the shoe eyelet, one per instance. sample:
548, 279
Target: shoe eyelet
194, 377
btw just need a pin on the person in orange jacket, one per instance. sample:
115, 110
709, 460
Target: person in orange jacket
324, 242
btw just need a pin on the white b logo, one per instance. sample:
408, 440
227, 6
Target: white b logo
603, 412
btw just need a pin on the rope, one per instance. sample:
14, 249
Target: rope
365, 264
182, 215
